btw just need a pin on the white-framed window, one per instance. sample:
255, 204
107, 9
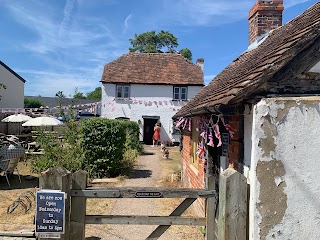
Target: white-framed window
123, 91
179, 93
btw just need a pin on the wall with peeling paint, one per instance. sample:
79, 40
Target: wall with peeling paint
285, 171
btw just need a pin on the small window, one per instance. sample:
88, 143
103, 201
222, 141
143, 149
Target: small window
179, 93
123, 91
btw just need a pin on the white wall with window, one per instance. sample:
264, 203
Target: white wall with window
143, 99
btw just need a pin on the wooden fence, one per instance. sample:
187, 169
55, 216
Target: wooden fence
230, 224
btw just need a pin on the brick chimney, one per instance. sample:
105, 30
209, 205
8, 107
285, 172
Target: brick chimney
264, 16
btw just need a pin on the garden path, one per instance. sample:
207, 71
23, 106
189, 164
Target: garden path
146, 174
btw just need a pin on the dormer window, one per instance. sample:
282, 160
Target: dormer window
179, 93
123, 91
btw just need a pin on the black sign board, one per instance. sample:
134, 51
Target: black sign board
50, 212
150, 194
225, 144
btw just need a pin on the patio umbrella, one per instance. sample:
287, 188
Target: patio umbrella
42, 121
16, 118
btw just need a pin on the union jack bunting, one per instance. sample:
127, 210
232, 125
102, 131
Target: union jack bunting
203, 133
185, 123
190, 126
200, 151
217, 134
180, 122
210, 139
228, 127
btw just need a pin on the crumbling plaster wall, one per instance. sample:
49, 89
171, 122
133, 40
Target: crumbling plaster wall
285, 171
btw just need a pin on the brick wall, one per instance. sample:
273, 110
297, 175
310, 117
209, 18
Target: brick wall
192, 176
233, 151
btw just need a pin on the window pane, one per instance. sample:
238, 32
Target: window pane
119, 91
183, 96
176, 90
176, 96
183, 90
126, 95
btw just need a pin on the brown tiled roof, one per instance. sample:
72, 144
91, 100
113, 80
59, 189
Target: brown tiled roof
152, 68
256, 67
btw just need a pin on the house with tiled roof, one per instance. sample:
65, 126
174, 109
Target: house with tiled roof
12, 96
150, 88
262, 114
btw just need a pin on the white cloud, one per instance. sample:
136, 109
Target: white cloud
126, 22
66, 17
208, 12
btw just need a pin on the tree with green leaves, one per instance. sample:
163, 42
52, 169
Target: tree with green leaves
32, 103
95, 94
152, 42
78, 95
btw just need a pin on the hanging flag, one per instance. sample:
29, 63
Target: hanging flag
180, 122
185, 123
203, 133
190, 125
200, 151
228, 127
210, 139
217, 134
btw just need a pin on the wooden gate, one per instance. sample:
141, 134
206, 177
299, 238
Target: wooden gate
60, 179
231, 223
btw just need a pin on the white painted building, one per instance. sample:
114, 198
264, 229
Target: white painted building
149, 88
13, 95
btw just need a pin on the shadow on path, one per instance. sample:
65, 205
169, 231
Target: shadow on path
147, 153
140, 174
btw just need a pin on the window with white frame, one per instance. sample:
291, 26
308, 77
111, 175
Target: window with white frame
179, 93
123, 91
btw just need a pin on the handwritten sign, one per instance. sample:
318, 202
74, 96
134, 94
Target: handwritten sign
225, 144
148, 194
50, 213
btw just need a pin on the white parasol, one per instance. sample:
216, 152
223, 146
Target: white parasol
42, 121
16, 118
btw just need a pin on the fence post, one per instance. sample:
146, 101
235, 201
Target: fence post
78, 207
210, 210
232, 205
59, 178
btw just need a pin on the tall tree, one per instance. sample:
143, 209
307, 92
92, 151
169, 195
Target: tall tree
95, 94
152, 42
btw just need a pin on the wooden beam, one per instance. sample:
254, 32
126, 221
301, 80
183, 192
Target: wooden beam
139, 192
177, 212
28, 233
144, 220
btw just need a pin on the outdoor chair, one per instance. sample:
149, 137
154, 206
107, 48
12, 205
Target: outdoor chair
8, 166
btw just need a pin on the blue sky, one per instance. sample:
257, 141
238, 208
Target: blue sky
61, 45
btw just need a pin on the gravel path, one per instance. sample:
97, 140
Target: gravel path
146, 174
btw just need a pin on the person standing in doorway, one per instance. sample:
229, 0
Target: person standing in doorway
156, 134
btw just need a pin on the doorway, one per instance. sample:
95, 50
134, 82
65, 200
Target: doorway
148, 126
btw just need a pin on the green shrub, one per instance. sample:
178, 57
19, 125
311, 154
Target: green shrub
100, 146
68, 155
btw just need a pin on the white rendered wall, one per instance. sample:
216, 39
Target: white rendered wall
285, 171
248, 118
146, 100
13, 95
